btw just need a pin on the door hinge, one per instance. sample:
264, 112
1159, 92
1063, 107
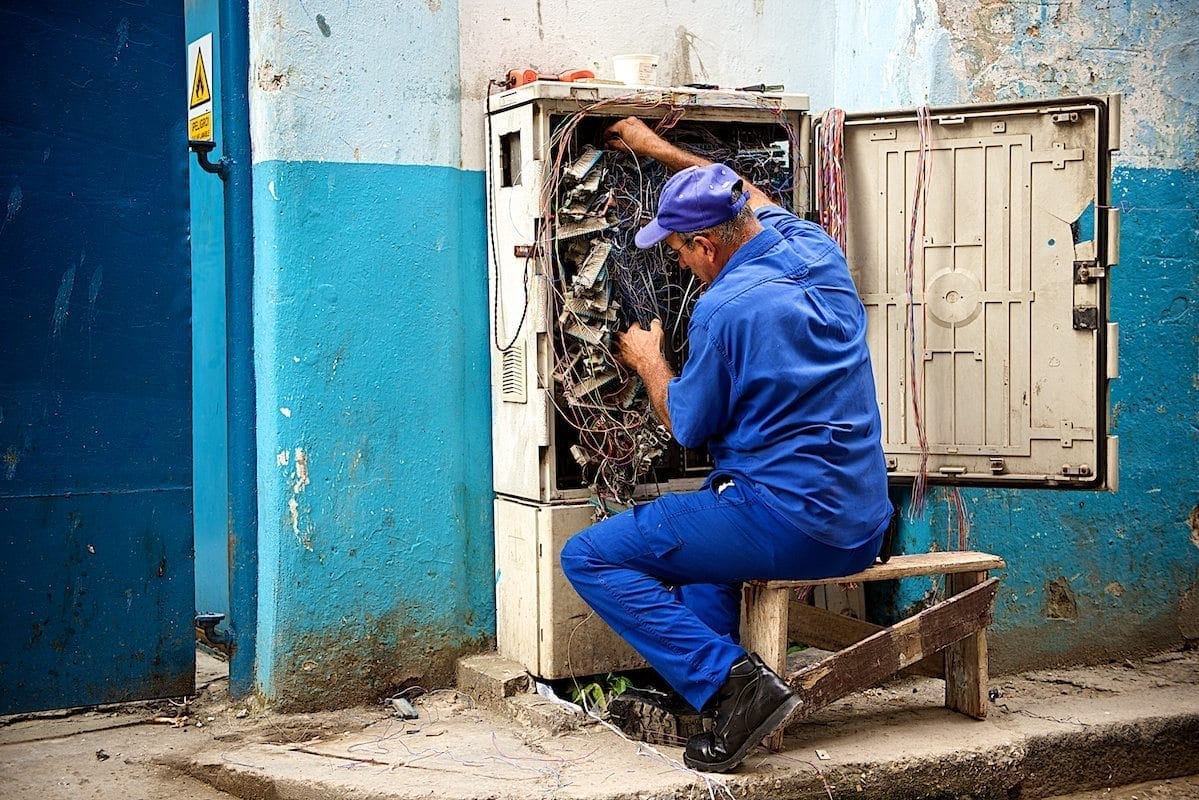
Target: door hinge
1088, 271
1086, 318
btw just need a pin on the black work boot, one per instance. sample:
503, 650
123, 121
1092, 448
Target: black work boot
749, 706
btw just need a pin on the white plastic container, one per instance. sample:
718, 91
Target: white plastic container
638, 69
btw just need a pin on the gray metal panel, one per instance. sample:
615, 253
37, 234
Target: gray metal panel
1011, 388
95, 396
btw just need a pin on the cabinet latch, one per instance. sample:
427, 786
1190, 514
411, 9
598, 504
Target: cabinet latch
1086, 318
1088, 271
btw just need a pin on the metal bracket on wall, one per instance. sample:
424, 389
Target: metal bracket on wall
202, 148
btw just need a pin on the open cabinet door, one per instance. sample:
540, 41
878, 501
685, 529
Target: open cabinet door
990, 341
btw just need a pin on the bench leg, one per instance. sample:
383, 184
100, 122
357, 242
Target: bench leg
764, 631
966, 660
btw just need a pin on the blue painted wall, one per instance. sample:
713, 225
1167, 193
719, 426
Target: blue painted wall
374, 464
375, 544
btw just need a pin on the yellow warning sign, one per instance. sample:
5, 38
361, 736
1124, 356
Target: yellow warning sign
200, 128
201, 92
200, 72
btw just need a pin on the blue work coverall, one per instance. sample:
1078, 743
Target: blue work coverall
778, 385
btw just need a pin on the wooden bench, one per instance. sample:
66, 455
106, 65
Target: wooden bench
866, 653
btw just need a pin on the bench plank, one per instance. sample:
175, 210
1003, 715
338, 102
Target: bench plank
828, 631
944, 563
891, 649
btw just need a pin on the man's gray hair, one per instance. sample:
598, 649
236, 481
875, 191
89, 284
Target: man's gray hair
726, 233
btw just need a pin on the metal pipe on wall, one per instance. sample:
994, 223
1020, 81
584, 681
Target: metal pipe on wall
239, 308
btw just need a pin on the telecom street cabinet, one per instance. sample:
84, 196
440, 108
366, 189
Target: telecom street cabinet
979, 238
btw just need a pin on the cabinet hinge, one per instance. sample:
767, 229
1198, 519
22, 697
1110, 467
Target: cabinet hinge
1088, 271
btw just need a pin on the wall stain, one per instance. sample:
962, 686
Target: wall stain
366, 660
1177, 309
122, 38
15, 198
326, 31
63, 300
1188, 614
681, 71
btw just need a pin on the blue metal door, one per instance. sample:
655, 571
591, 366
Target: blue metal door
96, 574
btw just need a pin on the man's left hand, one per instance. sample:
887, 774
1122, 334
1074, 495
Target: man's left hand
641, 349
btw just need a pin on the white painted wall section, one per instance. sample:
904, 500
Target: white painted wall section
351, 81
889, 55
730, 43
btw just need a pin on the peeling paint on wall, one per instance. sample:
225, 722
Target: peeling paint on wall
269, 79
1060, 602
1146, 49
301, 471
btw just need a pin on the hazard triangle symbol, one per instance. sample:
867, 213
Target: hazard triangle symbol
201, 92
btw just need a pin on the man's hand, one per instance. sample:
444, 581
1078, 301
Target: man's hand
632, 135
641, 351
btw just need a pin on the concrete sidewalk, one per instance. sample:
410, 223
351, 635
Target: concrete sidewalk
1048, 733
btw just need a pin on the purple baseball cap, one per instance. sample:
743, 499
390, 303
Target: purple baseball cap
692, 200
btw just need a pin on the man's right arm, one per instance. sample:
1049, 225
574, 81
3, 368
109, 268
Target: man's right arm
635, 136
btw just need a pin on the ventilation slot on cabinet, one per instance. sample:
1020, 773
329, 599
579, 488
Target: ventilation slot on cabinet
512, 383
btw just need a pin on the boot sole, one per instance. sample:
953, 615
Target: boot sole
778, 717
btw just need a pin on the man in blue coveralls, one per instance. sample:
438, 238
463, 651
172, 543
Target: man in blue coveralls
778, 385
